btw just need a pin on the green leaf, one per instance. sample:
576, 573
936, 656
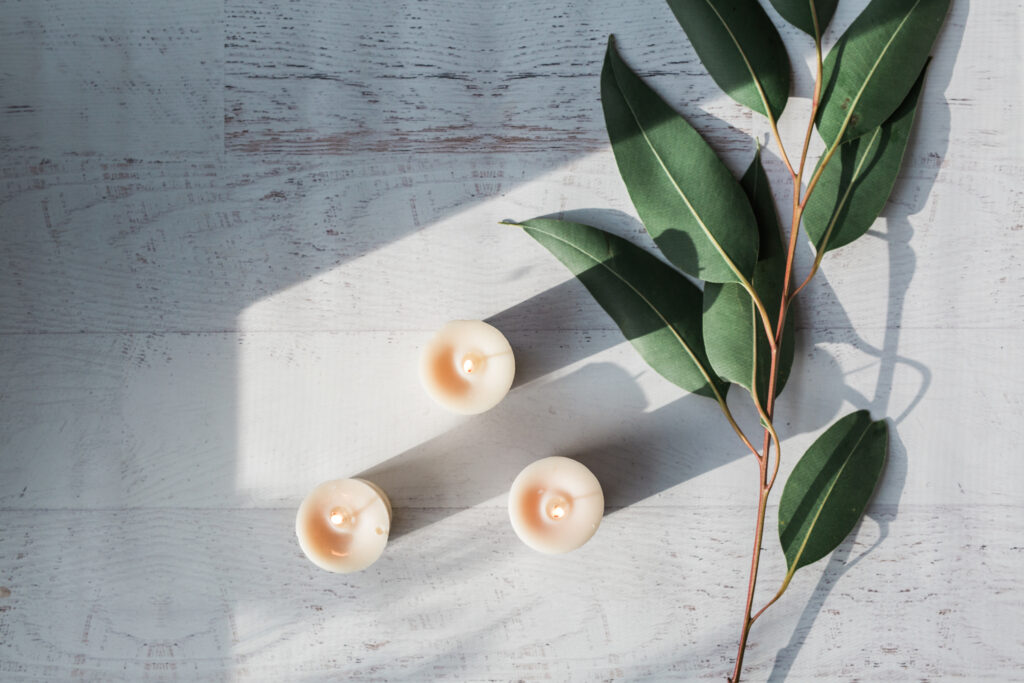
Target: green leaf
875, 63
653, 304
730, 319
688, 200
740, 48
798, 13
857, 182
829, 488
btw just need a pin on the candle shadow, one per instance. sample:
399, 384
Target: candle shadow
560, 309
596, 414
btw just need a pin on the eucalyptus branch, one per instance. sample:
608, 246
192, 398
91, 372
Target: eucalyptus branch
700, 216
766, 482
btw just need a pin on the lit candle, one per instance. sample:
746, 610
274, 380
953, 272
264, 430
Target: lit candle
467, 367
555, 505
343, 525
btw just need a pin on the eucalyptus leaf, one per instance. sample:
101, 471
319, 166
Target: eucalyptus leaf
740, 48
730, 320
655, 306
854, 187
873, 66
830, 486
798, 13
688, 200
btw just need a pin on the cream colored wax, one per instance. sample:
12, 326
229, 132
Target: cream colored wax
555, 505
343, 525
467, 367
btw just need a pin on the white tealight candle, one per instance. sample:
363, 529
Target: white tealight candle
467, 367
343, 525
555, 505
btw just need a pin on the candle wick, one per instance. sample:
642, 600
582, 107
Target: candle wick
338, 517
558, 508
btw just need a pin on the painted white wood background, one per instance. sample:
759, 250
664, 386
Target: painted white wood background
228, 227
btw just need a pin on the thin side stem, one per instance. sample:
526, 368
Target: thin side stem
824, 162
782, 589
810, 275
761, 310
769, 428
778, 140
772, 380
815, 100
732, 422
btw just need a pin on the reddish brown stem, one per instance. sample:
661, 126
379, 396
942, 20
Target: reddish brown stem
754, 560
766, 481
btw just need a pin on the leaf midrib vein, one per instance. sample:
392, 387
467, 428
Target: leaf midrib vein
828, 493
679, 191
874, 67
746, 62
650, 305
849, 190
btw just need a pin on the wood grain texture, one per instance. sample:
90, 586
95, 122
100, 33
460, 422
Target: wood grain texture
257, 419
226, 229
137, 246
211, 593
111, 78
404, 77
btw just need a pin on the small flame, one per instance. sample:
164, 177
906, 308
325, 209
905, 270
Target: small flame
468, 365
557, 512
338, 517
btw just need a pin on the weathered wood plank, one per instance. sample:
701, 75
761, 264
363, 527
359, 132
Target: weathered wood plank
379, 243
323, 79
106, 78
225, 228
225, 420
212, 594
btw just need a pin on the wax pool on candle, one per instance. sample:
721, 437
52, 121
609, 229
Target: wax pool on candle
467, 367
555, 505
343, 525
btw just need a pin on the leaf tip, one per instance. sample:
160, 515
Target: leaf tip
613, 47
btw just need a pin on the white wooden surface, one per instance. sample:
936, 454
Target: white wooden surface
227, 228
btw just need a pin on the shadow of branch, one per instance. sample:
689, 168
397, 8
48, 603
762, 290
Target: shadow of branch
907, 199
